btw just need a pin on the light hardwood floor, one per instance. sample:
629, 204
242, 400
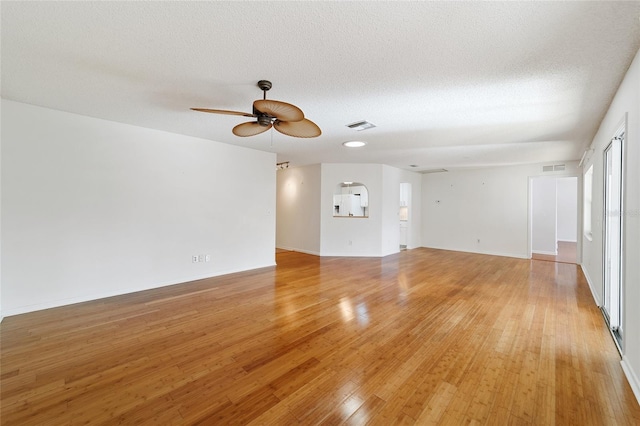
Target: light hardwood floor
420, 337
567, 253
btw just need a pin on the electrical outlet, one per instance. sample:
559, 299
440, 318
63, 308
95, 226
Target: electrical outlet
207, 258
201, 258
194, 259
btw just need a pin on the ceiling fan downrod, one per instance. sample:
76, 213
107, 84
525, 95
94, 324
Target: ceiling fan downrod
264, 85
263, 119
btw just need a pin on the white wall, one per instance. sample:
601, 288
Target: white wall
390, 238
348, 236
490, 204
378, 234
93, 208
554, 210
625, 103
1, 311
305, 220
392, 178
298, 209
567, 202
544, 216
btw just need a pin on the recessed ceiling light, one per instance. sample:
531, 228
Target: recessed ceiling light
354, 144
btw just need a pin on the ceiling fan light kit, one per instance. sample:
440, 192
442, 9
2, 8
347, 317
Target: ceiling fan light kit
286, 118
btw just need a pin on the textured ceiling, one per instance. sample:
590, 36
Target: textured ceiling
448, 84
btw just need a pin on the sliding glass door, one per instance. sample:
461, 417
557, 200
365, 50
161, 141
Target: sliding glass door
613, 236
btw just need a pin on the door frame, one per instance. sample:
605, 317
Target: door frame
617, 331
557, 175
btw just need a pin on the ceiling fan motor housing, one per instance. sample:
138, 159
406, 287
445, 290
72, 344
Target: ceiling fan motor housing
264, 120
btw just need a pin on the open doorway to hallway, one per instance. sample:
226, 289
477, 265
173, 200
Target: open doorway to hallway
554, 219
404, 214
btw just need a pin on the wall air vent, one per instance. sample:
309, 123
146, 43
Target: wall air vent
361, 125
554, 168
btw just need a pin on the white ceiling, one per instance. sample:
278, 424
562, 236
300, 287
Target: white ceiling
448, 84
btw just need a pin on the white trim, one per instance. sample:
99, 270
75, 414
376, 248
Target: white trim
88, 298
488, 253
347, 254
315, 253
530, 217
550, 253
590, 283
580, 193
632, 378
338, 254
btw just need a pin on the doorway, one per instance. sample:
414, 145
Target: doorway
404, 215
554, 218
612, 267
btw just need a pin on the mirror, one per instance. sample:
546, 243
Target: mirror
351, 199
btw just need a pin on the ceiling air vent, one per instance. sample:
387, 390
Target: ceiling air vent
361, 125
434, 171
554, 168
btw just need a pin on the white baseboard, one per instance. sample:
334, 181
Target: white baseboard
346, 254
490, 253
632, 378
546, 253
87, 298
332, 254
315, 253
590, 283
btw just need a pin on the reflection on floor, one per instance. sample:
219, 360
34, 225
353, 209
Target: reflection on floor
420, 337
567, 253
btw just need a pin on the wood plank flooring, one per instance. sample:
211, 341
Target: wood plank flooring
567, 253
421, 337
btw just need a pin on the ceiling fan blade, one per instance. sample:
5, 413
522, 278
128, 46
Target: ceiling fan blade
304, 128
224, 111
250, 128
283, 111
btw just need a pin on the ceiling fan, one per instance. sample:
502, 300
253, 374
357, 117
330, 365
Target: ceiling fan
282, 116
